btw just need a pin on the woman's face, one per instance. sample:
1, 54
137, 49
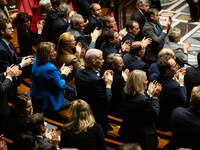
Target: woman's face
28, 110
52, 54
72, 43
145, 83
26, 23
119, 66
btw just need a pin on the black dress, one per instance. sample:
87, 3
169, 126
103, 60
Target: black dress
93, 139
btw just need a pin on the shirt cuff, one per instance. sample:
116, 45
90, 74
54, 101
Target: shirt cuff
148, 93
164, 31
9, 78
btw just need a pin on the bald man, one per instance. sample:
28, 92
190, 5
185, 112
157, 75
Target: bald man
96, 91
153, 67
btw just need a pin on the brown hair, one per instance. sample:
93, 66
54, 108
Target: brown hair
3, 23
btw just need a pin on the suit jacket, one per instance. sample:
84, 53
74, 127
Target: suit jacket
156, 46
139, 17
185, 123
46, 86
42, 144
132, 63
101, 38
181, 57
51, 16
154, 69
92, 89
191, 79
83, 7
108, 49
59, 26
172, 96
4, 87
139, 113
129, 37
93, 23
83, 39
7, 59
2, 14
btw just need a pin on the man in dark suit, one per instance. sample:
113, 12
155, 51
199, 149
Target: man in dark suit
133, 60
61, 23
96, 91
192, 78
7, 55
93, 19
76, 27
51, 16
185, 123
193, 4
157, 32
173, 93
139, 15
36, 125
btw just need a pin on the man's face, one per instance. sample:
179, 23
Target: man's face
115, 41
99, 61
80, 24
3, 2
173, 67
144, 8
135, 29
8, 32
155, 18
97, 10
111, 23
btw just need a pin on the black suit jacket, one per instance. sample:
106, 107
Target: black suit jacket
132, 63
139, 113
7, 59
42, 144
93, 23
4, 87
92, 89
191, 79
59, 26
129, 37
51, 16
137, 16
101, 38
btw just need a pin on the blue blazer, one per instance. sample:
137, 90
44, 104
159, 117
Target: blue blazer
129, 37
108, 49
7, 59
93, 23
46, 86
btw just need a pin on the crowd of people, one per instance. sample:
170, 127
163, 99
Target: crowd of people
85, 65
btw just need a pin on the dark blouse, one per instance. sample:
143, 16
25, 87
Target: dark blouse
93, 139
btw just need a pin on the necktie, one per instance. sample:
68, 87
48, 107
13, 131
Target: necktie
159, 33
12, 49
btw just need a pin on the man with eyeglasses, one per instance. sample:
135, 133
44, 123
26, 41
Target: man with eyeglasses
93, 19
173, 93
8, 56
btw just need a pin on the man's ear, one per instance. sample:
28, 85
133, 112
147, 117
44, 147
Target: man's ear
2, 31
93, 62
110, 41
167, 71
130, 30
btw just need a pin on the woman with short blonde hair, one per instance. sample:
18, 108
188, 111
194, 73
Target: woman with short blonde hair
82, 131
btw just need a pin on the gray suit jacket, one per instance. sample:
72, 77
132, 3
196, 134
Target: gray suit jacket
2, 14
82, 39
181, 57
156, 46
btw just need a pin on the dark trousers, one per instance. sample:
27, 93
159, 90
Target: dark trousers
193, 9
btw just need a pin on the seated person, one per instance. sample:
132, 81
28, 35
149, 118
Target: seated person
47, 83
15, 119
36, 125
181, 52
82, 131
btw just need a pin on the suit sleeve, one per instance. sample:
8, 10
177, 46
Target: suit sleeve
183, 57
84, 43
31, 37
181, 96
76, 63
4, 84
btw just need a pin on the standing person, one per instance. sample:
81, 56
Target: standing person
140, 110
82, 131
157, 32
7, 55
193, 4
96, 91
139, 15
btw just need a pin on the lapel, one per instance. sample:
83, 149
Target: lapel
2, 14
6, 10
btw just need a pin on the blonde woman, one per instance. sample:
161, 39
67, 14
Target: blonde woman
139, 110
66, 55
82, 131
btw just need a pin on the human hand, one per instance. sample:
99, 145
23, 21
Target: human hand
125, 74
86, 23
157, 90
122, 33
165, 25
95, 34
48, 135
40, 26
3, 145
71, 13
179, 77
78, 48
169, 21
108, 78
30, 56
125, 47
196, 1
14, 15
47, 148
145, 42
12, 71
55, 140
26, 61
1, 137
66, 69
186, 46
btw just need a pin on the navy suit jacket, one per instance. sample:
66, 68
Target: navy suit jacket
42, 144
191, 79
92, 89
7, 59
137, 16
172, 96
129, 37
154, 69
132, 63
93, 23
185, 123
108, 49
51, 16
59, 26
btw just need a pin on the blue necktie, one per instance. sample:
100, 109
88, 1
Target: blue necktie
159, 33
